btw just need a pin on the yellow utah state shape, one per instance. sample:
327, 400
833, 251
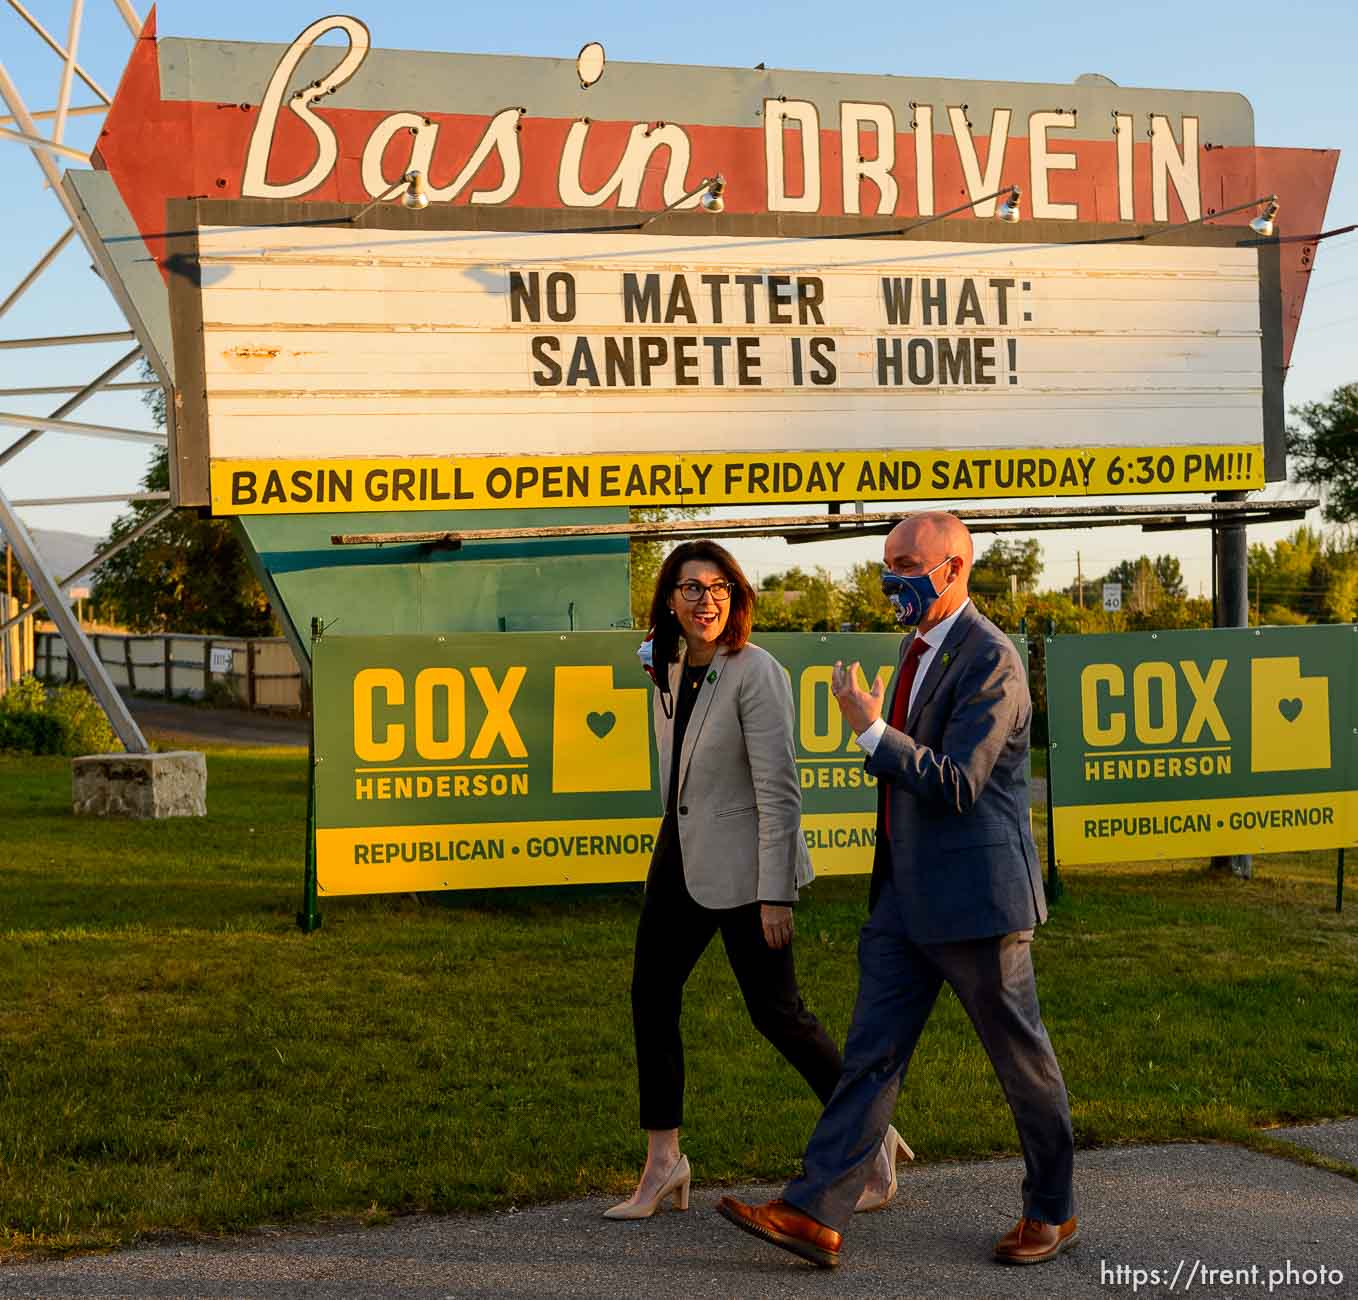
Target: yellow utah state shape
601, 740
1289, 717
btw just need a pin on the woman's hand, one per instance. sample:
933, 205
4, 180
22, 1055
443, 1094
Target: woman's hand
777, 923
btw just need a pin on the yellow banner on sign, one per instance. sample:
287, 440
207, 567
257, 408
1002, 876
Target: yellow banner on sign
324, 486
492, 855
1133, 832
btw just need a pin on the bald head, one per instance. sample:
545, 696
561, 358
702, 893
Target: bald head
935, 543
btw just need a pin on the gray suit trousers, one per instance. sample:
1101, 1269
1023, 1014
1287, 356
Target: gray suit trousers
899, 982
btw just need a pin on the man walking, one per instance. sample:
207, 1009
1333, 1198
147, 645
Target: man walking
956, 893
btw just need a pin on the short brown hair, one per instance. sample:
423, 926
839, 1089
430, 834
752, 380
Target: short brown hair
738, 622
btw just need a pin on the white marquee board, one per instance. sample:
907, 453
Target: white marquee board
359, 368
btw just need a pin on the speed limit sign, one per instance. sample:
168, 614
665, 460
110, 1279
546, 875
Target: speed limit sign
1112, 597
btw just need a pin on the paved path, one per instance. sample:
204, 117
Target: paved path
1155, 1221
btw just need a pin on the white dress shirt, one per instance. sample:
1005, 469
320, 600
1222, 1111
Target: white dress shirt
934, 638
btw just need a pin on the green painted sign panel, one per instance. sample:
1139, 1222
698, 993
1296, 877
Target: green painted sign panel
1185, 744
473, 761
528, 585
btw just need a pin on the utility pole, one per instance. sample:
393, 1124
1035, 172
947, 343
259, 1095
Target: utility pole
1079, 581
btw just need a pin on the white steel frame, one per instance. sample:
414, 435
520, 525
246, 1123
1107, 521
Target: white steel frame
20, 127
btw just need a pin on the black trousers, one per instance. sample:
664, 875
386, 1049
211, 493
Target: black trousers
673, 933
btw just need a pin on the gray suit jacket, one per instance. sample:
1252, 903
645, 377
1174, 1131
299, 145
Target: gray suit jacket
961, 856
740, 804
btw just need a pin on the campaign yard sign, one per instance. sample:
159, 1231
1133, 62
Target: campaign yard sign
460, 762
1188, 744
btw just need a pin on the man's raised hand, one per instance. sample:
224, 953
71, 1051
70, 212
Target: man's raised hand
859, 708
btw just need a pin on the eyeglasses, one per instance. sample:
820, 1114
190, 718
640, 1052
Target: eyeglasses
693, 592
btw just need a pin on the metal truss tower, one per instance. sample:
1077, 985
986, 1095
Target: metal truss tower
42, 134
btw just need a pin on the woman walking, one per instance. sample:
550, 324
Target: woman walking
730, 856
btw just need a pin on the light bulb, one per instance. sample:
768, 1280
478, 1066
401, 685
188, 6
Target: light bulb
1009, 209
1263, 224
416, 193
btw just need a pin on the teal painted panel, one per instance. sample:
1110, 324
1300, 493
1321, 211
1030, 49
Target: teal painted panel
544, 584
370, 601
541, 594
292, 541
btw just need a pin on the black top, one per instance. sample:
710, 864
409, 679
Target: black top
690, 683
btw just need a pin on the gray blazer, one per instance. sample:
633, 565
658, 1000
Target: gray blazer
740, 804
961, 856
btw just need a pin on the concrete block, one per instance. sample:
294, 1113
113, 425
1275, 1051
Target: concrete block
173, 784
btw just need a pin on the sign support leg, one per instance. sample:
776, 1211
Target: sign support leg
1339, 883
309, 918
78, 647
1233, 610
1054, 889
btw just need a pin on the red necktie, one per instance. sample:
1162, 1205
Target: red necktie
900, 704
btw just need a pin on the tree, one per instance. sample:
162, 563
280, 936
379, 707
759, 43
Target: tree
797, 601
1140, 590
1337, 573
1123, 573
188, 574
1001, 560
1305, 578
1146, 593
1172, 612
1147, 583
644, 561
646, 557
1169, 575
1324, 450
1281, 576
862, 604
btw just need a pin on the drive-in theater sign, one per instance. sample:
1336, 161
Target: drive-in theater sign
542, 343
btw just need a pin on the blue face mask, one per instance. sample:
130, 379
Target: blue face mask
911, 597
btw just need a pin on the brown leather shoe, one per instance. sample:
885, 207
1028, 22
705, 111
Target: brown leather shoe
786, 1226
1030, 1241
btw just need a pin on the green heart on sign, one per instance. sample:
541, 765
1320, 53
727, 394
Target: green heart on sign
1290, 709
601, 723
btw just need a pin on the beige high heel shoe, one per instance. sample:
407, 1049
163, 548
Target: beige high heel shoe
895, 1148
676, 1185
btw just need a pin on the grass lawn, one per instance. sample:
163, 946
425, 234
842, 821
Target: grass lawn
175, 1055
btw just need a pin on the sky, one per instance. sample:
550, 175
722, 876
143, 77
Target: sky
1293, 63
